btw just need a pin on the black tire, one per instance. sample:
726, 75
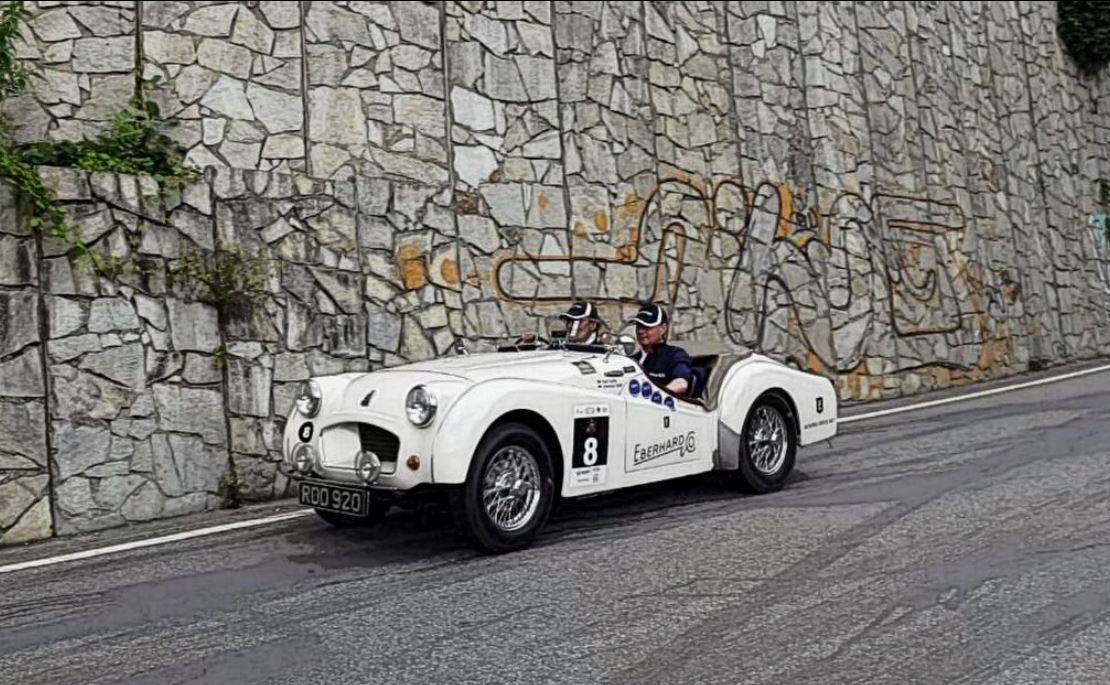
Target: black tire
467, 506
750, 476
377, 512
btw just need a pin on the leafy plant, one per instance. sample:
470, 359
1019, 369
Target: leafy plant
133, 143
224, 278
1084, 29
13, 75
106, 266
46, 215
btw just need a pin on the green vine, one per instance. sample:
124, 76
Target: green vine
132, 143
13, 75
46, 216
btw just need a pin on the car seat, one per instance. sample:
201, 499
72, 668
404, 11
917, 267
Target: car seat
711, 363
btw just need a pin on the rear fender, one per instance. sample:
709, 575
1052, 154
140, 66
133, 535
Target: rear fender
812, 397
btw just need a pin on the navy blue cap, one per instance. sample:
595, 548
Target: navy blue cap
581, 310
650, 315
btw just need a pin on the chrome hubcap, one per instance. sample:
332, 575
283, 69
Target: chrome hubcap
767, 441
511, 488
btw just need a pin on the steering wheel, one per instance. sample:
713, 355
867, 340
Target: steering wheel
528, 339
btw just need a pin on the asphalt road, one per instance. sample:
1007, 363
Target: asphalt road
966, 543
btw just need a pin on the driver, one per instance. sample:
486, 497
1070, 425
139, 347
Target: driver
583, 323
666, 365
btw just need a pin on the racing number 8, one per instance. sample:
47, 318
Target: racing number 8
589, 452
591, 442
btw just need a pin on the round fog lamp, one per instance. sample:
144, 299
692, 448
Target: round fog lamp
368, 466
413, 463
303, 458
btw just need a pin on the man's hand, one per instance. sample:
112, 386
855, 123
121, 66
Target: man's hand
678, 386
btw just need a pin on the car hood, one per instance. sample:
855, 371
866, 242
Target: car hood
382, 392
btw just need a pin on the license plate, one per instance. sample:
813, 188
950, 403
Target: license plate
335, 498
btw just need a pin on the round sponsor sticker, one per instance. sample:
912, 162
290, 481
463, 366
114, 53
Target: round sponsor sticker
669, 403
657, 398
645, 389
634, 387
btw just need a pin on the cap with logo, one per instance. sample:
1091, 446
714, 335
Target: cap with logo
650, 315
581, 311
576, 316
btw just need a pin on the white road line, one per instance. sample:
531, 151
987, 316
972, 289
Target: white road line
150, 542
972, 396
252, 523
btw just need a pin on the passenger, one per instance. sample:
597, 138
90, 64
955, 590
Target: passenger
666, 365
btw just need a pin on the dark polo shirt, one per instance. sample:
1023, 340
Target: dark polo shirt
667, 363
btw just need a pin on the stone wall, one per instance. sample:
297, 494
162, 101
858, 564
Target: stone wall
136, 405
24, 471
899, 195
230, 75
84, 56
155, 398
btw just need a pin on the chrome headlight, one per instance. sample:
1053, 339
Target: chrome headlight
420, 405
308, 398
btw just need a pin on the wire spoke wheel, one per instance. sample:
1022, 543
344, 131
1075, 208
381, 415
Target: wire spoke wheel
767, 440
511, 488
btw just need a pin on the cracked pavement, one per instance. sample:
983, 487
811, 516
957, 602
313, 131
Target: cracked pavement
965, 543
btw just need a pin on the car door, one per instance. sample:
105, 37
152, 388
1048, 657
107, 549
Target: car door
595, 427
664, 437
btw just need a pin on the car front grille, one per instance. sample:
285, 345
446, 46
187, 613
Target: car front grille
379, 441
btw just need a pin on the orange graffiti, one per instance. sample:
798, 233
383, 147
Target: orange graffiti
449, 271
904, 240
674, 235
412, 266
786, 211
631, 207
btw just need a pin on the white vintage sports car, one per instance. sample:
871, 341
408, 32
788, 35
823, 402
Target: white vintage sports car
502, 434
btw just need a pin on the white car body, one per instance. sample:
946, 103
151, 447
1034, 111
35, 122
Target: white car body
647, 439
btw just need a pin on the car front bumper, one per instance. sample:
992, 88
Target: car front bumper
336, 440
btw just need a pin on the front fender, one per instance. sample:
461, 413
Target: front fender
476, 410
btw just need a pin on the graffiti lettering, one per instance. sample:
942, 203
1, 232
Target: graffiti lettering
820, 286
